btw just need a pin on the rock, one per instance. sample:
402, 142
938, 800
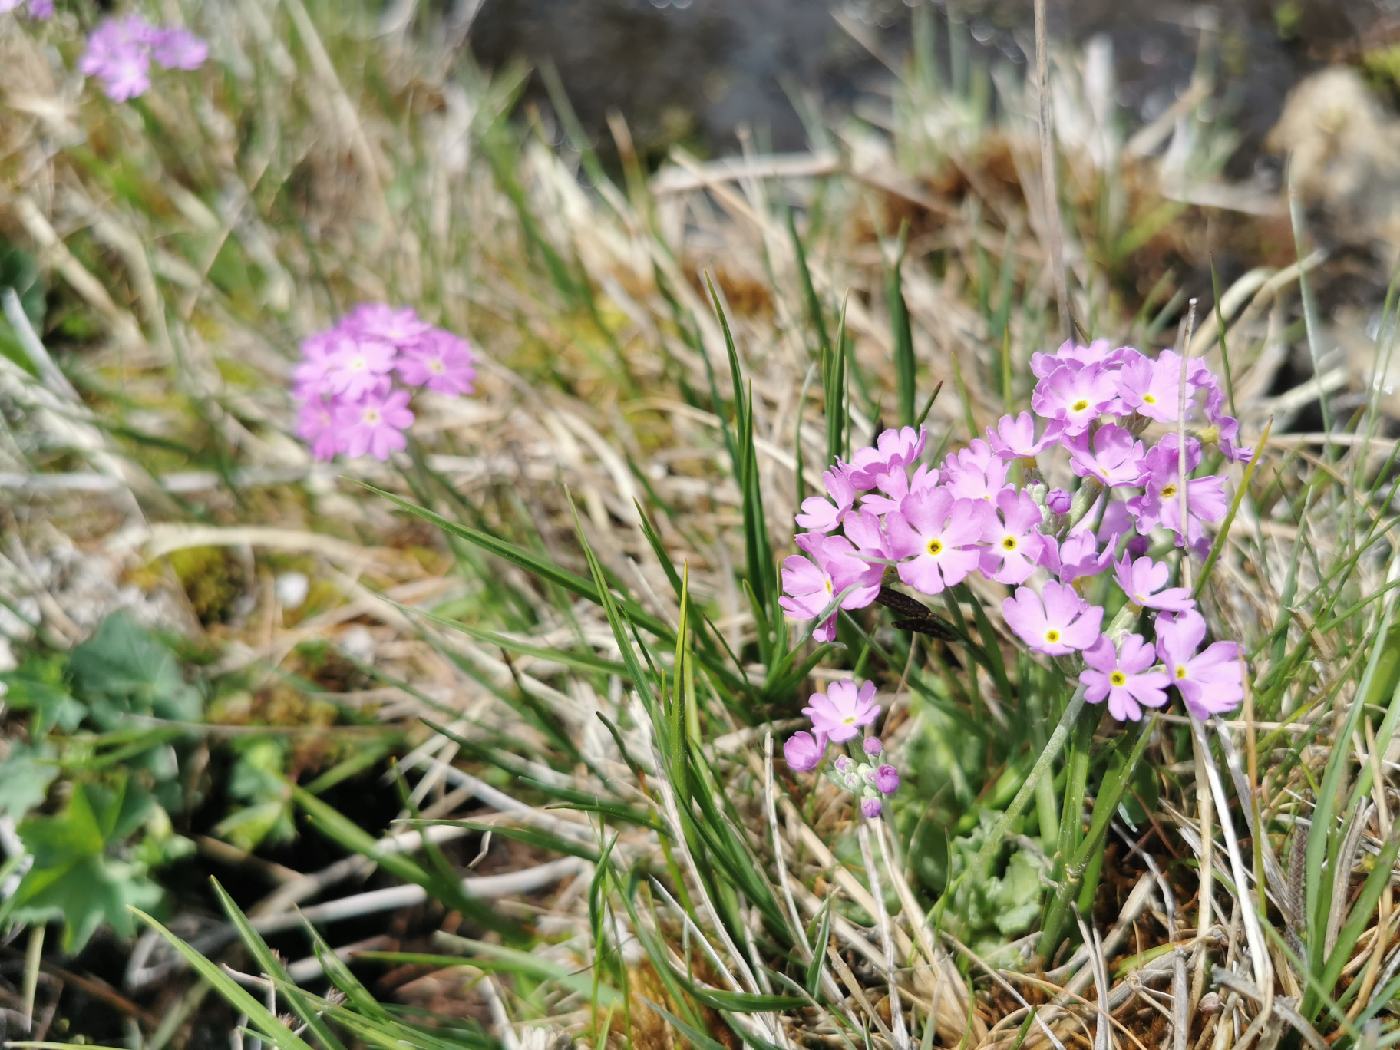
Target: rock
1343, 151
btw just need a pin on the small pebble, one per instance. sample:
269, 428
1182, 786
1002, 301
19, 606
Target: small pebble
292, 588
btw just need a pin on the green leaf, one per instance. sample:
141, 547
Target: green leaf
71, 877
25, 776
19, 269
259, 1016
351, 836
903, 334
300, 1002
123, 669
37, 685
257, 780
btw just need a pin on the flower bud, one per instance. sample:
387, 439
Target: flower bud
803, 752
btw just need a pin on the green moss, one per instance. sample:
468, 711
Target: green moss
1382, 67
213, 580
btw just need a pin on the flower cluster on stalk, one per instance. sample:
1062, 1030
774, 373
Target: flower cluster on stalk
1097, 482
120, 52
356, 379
840, 716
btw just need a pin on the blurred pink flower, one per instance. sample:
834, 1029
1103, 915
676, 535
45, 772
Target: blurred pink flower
120, 50
374, 425
803, 752
440, 361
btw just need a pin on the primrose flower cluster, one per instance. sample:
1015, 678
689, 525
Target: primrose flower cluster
1071, 499
120, 52
356, 379
838, 716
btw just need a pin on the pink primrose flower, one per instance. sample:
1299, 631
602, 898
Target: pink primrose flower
843, 710
1013, 538
357, 368
812, 585
1074, 397
824, 513
1072, 354
375, 423
1124, 676
1056, 621
1144, 581
1013, 437
803, 752
316, 426
974, 472
120, 50
897, 485
893, 450
176, 48
440, 361
1109, 454
937, 538
399, 327
1210, 681
1152, 388
1078, 554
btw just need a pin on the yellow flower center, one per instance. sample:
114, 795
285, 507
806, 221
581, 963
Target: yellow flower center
934, 547
370, 415
827, 585
1008, 543
1180, 672
1080, 405
358, 364
1169, 491
1118, 678
1149, 399
1052, 635
435, 366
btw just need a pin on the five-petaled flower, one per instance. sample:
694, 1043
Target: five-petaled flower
1211, 681
1125, 676
1056, 621
840, 713
937, 539
1144, 581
